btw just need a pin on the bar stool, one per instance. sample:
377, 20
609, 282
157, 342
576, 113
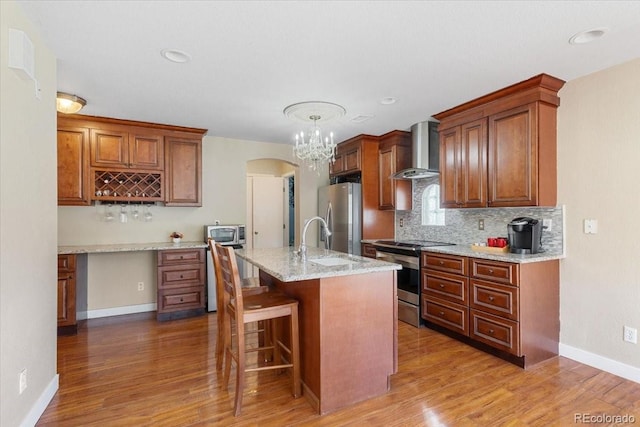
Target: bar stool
250, 285
242, 309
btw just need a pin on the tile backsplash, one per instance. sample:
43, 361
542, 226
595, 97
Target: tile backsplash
461, 225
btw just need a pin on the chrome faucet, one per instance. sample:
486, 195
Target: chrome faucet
302, 250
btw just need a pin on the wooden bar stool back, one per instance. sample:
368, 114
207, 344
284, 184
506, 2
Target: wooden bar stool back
249, 286
242, 309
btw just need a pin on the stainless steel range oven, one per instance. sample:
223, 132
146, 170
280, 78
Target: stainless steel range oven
407, 254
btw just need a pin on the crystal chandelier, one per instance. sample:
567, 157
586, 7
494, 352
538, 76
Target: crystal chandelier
312, 147
314, 150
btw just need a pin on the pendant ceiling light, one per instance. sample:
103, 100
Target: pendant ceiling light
312, 147
69, 104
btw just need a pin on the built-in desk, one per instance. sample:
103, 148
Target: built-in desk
181, 278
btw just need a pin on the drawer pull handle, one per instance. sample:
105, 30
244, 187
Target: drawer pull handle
442, 285
181, 276
491, 298
441, 263
181, 257
490, 271
491, 331
181, 300
442, 313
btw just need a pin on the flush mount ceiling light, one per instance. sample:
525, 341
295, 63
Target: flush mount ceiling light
587, 36
311, 147
69, 104
388, 100
175, 55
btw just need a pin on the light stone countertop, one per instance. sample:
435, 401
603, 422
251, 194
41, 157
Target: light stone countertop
284, 264
128, 247
465, 250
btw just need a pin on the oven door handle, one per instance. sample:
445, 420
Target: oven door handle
404, 260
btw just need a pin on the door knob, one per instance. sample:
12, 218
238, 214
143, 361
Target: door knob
255, 232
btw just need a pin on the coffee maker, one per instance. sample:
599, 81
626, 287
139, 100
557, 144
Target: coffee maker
525, 235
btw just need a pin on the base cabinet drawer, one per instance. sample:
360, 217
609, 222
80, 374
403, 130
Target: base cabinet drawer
493, 298
450, 287
181, 299
181, 283
446, 314
495, 331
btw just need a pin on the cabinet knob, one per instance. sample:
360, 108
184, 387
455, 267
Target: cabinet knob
181, 276
491, 298
442, 285
441, 262
181, 300
442, 313
181, 257
491, 331
490, 271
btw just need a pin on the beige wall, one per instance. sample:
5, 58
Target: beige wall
599, 178
28, 240
113, 278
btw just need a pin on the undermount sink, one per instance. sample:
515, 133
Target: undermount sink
332, 262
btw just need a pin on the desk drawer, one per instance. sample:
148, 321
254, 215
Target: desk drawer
180, 256
181, 299
178, 276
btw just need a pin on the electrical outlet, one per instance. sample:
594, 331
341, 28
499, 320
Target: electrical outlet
481, 224
141, 286
546, 223
401, 222
23, 380
630, 334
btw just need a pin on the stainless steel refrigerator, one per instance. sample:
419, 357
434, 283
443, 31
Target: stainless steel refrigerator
341, 206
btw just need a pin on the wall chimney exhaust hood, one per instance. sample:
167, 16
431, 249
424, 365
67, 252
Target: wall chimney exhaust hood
425, 147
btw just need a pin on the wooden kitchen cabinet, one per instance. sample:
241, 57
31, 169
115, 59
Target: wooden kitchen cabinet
181, 283
127, 148
508, 309
463, 170
499, 150
359, 163
67, 323
73, 165
348, 158
445, 290
184, 171
394, 154
129, 160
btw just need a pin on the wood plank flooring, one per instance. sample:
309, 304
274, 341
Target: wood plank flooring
133, 371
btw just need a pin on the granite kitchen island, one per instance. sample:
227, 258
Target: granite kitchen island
347, 320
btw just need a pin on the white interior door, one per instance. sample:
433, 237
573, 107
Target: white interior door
268, 212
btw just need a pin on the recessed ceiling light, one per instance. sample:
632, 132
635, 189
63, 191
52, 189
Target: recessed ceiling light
175, 55
388, 100
587, 36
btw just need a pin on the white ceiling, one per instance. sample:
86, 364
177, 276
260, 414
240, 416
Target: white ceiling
252, 59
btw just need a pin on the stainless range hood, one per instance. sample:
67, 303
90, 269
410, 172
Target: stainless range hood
425, 146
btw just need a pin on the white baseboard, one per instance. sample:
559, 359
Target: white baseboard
41, 404
116, 311
603, 363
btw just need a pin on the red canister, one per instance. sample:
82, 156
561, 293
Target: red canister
492, 241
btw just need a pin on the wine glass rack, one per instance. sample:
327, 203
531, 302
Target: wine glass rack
120, 186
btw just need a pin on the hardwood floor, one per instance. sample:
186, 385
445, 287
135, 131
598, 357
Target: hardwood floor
133, 371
